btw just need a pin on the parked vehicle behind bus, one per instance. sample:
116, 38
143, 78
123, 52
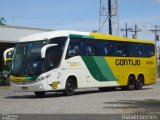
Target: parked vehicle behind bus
7, 58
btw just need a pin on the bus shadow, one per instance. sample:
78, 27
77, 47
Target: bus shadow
50, 95
60, 94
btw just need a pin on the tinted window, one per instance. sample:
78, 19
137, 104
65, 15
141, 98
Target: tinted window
122, 49
141, 50
125, 49
116, 48
102, 48
92, 47
148, 50
75, 47
54, 54
89, 47
52, 58
60, 41
135, 50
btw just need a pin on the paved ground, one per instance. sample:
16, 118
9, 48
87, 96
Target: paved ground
84, 102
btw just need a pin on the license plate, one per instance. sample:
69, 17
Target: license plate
24, 88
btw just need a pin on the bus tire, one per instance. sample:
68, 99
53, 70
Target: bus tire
131, 84
139, 83
40, 94
70, 87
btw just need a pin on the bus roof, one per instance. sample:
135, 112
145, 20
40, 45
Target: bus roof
52, 34
119, 38
66, 33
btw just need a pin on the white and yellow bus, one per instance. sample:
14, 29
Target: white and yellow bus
69, 60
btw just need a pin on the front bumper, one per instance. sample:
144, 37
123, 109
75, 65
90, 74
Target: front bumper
38, 86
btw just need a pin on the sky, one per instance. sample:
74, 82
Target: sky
81, 15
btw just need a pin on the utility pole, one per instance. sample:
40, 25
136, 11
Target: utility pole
126, 29
135, 31
110, 17
109, 13
155, 30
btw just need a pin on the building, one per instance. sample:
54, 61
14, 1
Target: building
9, 35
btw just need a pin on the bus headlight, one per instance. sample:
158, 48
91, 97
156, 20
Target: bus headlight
43, 78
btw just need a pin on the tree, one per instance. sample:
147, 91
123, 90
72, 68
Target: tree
2, 21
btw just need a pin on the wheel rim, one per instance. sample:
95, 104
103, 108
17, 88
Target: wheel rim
131, 84
70, 87
139, 84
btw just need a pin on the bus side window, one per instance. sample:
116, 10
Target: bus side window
141, 50
89, 50
49, 59
125, 49
148, 50
89, 47
102, 48
52, 58
116, 48
119, 50
74, 48
131, 50
135, 50
105, 50
138, 51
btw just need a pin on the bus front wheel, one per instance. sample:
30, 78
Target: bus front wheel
70, 87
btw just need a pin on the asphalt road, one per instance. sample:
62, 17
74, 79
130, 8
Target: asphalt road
88, 101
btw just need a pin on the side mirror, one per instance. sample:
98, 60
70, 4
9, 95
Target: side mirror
7, 57
43, 50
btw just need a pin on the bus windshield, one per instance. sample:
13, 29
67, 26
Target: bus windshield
27, 58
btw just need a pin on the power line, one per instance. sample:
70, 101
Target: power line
135, 31
155, 30
126, 29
